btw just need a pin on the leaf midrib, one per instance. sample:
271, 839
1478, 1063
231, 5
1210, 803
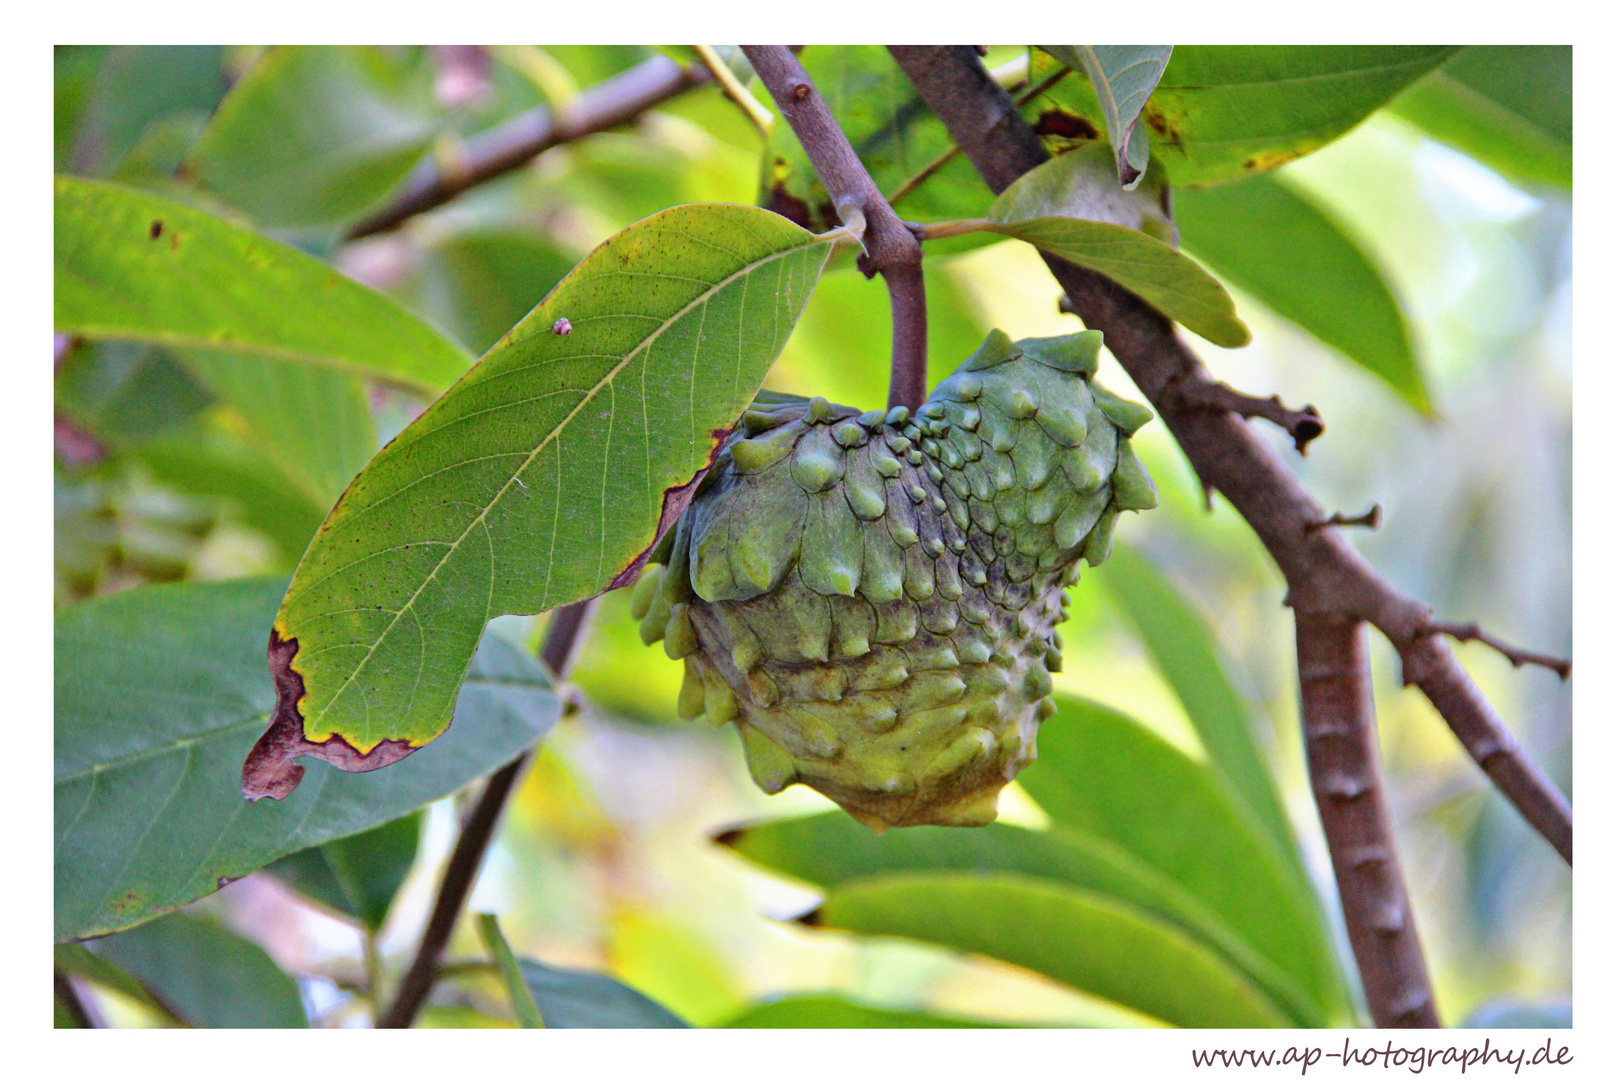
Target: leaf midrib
607, 379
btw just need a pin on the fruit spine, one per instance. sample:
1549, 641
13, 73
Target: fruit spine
871, 597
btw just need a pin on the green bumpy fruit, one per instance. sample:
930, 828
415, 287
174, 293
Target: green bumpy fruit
871, 597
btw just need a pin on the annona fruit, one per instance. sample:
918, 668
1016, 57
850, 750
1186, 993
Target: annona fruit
871, 597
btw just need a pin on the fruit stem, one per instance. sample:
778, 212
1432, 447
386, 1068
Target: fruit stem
891, 249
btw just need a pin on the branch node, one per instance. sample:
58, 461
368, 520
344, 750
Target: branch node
1302, 425
1516, 656
1370, 520
890, 248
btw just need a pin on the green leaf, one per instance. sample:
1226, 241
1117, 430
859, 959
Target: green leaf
894, 134
319, 134
312, 422
133, 90
543, 477
1122, 78
206, 975
1075, 936
585, 999
160, 692
207, 460
1266, 237
1047, 207
1221, 112
134, 265
1102, 773
1510, 106
76, 71
832, 850
836, 1012
1185, 650
125, 392
357, 876
517, 991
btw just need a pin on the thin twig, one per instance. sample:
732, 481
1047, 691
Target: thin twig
1427, 663
891, 249
518, 141
1518, 657
1302, 425
1370, 520
1326, 576
911, 184
758, 114
476, 833
1341, 748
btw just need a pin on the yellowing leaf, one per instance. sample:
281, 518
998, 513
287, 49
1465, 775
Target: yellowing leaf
542, 477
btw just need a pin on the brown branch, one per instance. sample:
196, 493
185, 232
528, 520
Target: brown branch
518, 141
1428, 664
1370, 520
1341, 748
914, 182
1324, 571
1302, 425
1518, 657
1327, 578
891, 249
476, 833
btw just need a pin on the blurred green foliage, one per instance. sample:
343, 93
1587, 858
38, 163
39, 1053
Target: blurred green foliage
1178, 798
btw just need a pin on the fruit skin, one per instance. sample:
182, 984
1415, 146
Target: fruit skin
871, 597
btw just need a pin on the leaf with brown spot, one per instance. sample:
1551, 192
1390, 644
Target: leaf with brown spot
1217, 107
226, 286
1122, 77
539, 479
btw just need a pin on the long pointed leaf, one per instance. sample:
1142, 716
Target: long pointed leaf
1105, 774
313, 424
1266, 237
1186, 652
1510, 106
543, 477
1123, 78
357, 876
837, 1012
130, 264
831, 850
1073, 935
